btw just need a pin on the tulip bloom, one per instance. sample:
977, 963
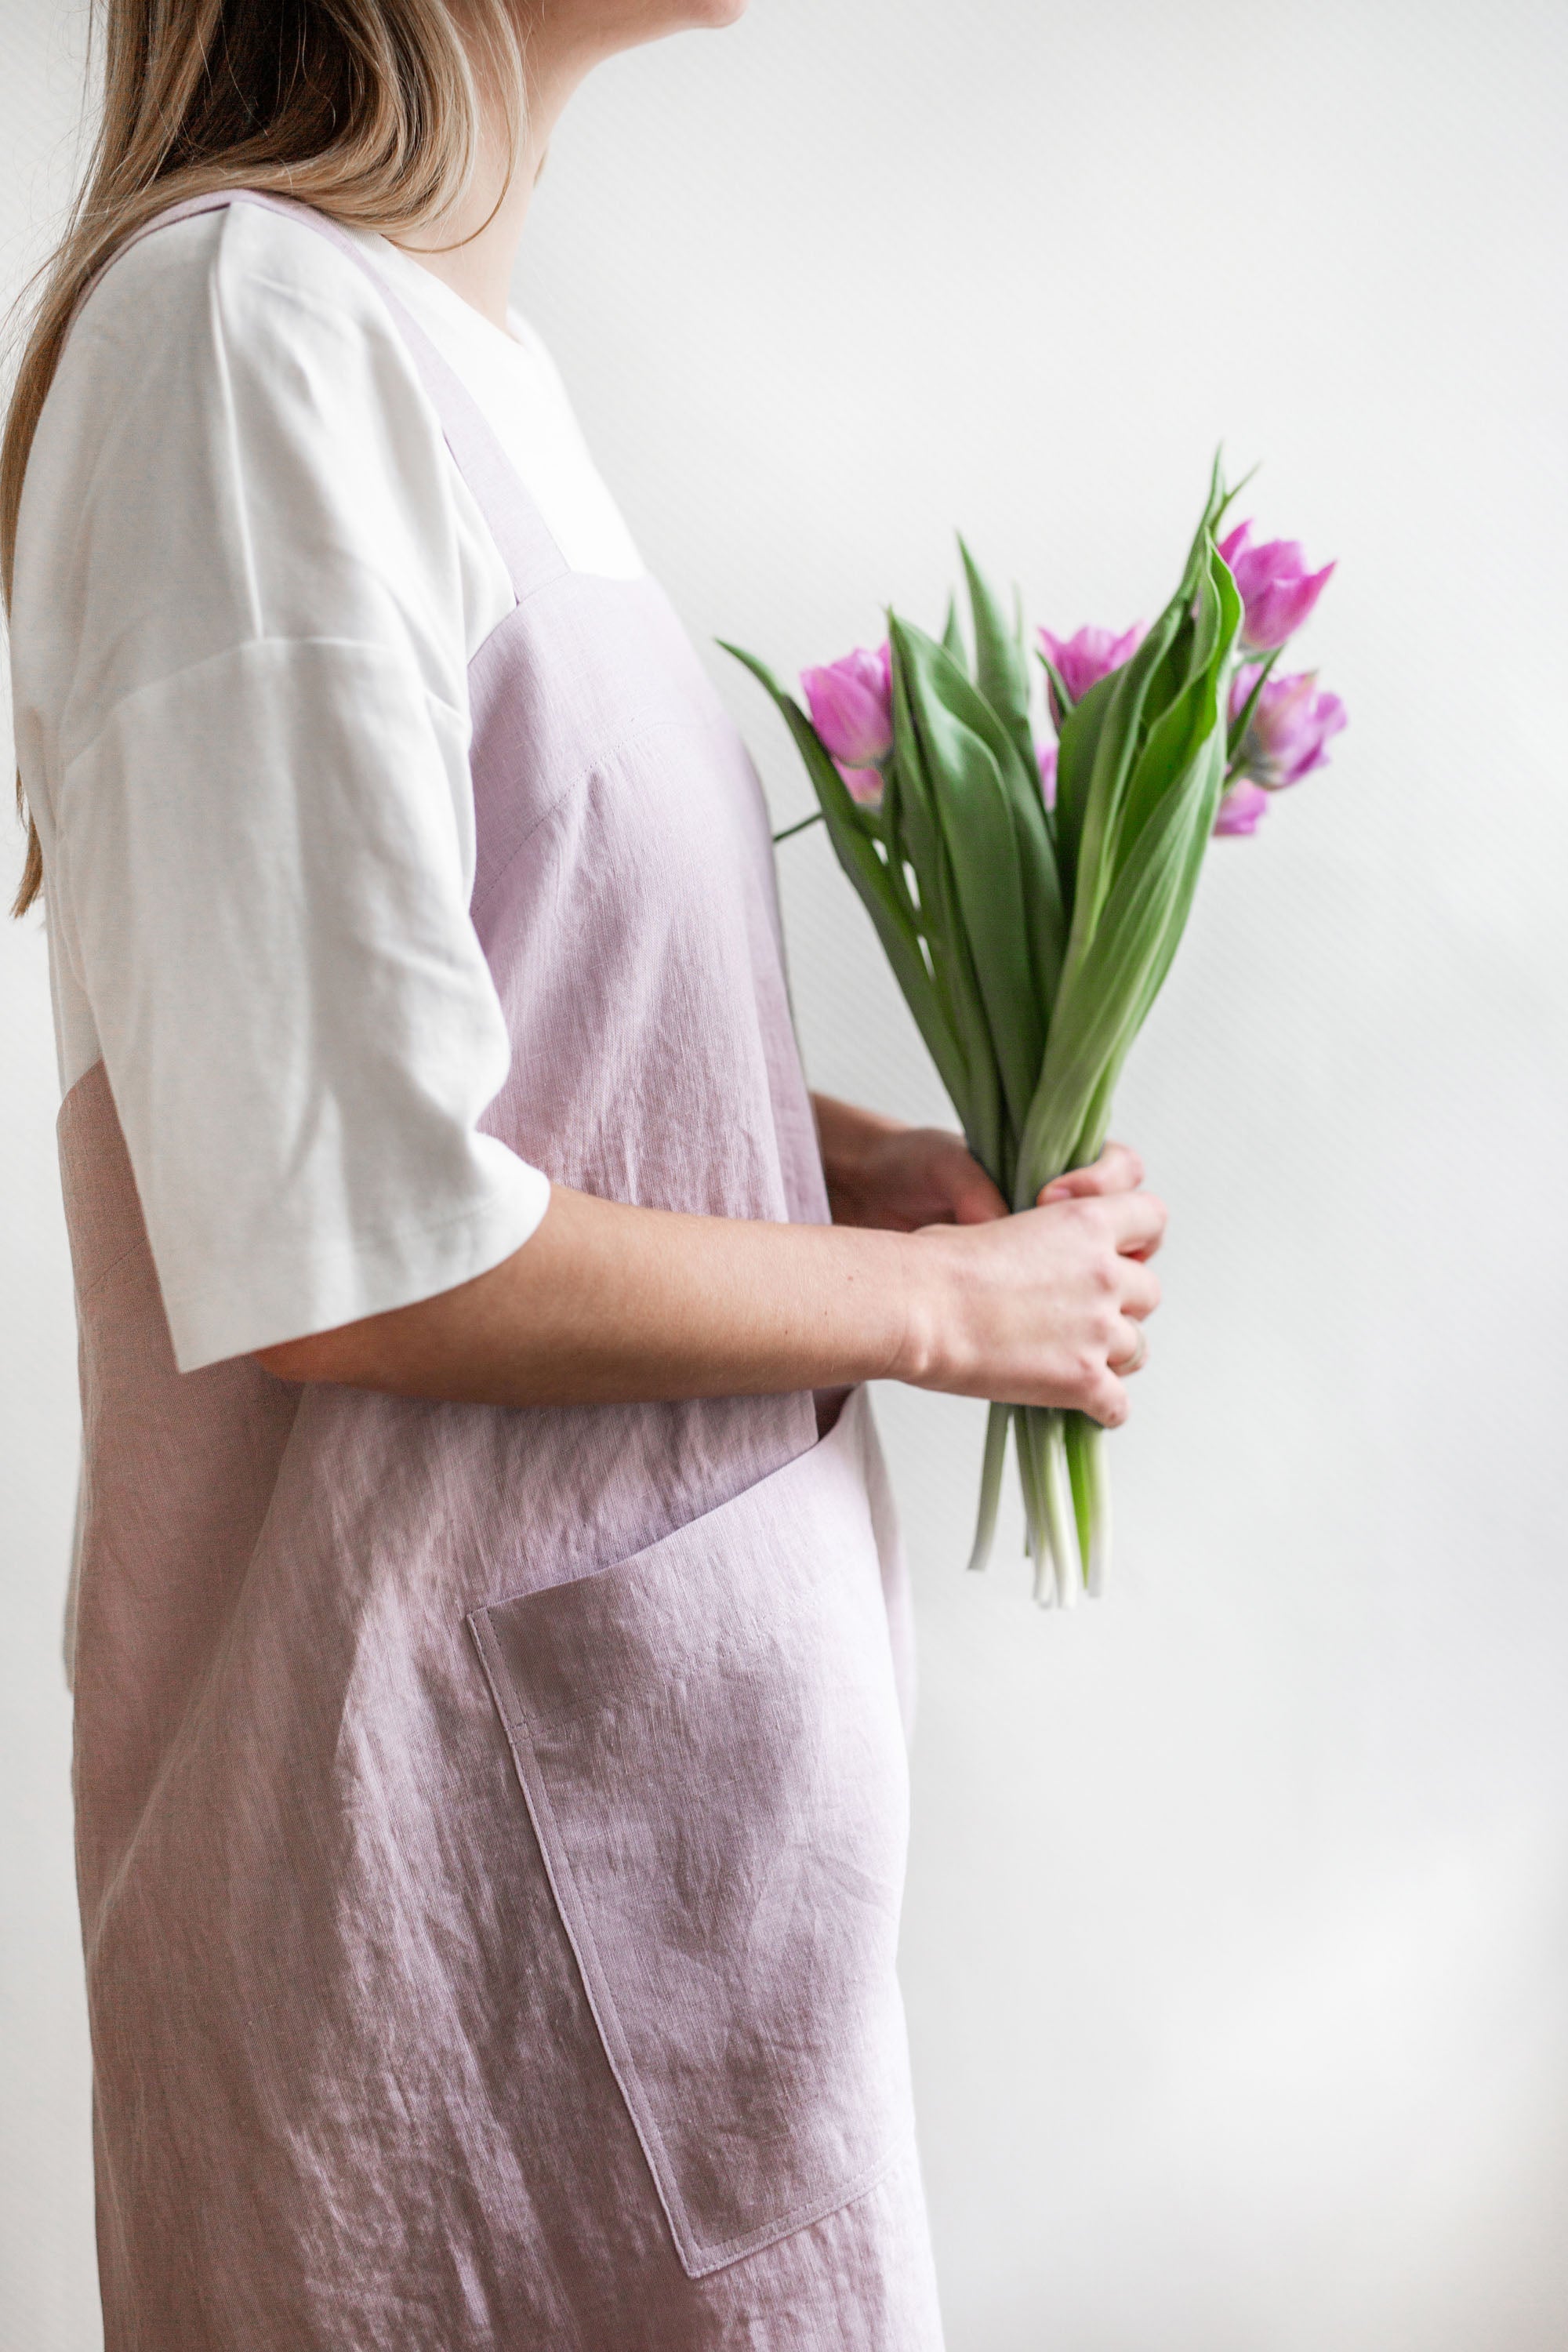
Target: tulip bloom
1288, 731
862, 785
1241, 808
1046, 756
851, 707
1082, 660
1276, 587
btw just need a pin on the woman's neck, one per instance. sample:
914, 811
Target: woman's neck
473, 249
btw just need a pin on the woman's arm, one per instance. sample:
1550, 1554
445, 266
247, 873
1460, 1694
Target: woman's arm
606, 1303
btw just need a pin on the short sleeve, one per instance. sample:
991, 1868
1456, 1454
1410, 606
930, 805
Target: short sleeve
249, 703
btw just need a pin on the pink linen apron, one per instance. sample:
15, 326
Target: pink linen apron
491, 1824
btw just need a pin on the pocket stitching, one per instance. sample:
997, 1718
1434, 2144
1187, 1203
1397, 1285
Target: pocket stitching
569, 1910
697, 2259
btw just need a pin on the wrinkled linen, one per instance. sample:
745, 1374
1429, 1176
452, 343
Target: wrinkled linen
490, 1824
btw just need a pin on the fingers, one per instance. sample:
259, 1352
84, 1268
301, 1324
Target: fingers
1129, 1349
1106, 1401
952, 1185
1052, 1306
1105, 1398
913, 1177
1140, 1287
1137, 1222
1118, 1170
974, 1198
1131, 1225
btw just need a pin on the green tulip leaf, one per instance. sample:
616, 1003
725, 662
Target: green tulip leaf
864, 863
976, 818
1001, 672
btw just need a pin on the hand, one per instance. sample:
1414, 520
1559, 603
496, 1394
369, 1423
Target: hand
1044, 1308
898, 1178
882, 1174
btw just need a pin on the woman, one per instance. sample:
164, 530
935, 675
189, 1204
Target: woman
489, 1634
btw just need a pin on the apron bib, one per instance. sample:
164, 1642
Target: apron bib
491, 1824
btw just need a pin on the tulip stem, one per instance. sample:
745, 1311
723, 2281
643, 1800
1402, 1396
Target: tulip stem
791, 830
1091, 1498
1039, 1546
991, 1483
1055, 1493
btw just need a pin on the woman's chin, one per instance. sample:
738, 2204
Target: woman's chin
629, 23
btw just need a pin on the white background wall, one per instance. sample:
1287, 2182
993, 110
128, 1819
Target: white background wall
1239, 1916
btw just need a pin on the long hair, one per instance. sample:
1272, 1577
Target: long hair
369, 109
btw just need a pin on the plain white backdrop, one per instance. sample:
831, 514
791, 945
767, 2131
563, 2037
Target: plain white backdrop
1237, 1924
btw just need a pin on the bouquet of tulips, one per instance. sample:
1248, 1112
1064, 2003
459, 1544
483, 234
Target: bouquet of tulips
1030, 899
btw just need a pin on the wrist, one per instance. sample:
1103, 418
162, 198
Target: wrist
926, 1319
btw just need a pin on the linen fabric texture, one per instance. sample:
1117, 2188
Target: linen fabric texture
490, 1824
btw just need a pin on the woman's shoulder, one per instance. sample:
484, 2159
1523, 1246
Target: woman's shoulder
236, 451
238, 340
246, 275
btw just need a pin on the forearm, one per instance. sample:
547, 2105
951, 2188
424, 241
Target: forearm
606, 1303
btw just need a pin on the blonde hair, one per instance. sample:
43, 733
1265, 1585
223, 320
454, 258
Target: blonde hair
369, 109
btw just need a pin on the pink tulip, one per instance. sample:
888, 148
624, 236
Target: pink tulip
1288, 731
851, 706
1277, 589
1087, 658
866, 786
1046, 756
1241, 808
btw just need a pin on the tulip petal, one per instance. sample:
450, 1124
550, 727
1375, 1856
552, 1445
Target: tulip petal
1089, 654
851, 701
1241, 810
1046, 758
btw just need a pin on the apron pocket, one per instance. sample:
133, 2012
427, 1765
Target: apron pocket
708, 1742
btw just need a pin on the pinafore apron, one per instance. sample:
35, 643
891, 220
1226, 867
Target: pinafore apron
491, 1823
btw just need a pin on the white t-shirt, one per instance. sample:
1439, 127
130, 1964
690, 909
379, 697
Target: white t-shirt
250, 580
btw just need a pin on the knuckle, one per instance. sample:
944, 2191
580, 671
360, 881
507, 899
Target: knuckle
1108, 1273
1110, 1404
1093, 1221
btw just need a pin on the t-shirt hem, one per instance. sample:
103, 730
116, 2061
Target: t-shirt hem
210, 1326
